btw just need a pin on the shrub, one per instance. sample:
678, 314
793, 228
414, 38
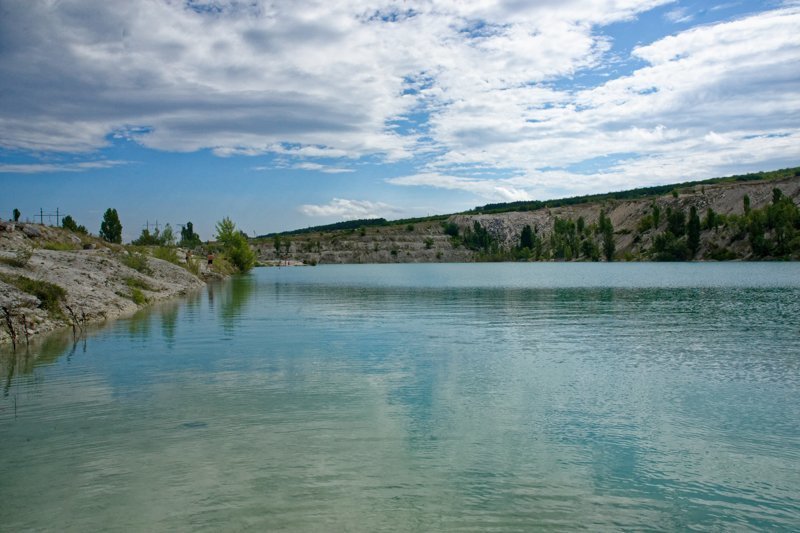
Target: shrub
192, 266
59, 246
236, 247
166, 254
410, 228
136, 261
69, 223
136, 283
451, 228
49, 294
20, 259
138, 296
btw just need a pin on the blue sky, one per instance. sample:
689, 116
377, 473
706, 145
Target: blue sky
286, 115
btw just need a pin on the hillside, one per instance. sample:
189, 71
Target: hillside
52, 278
645, 227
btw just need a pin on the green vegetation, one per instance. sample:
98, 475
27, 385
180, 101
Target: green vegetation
16, 214
189, 239
693, 233
60, 246
111, 227
69, 223
157, 238
136, 283
451, 229
136, 261
20, 259
49, 294
138, 296
606, 229
167, 254
235, 246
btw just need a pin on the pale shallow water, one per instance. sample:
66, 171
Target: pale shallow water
482, 397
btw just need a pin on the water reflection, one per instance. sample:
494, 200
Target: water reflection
268, 403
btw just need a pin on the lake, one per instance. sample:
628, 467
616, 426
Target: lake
475, 397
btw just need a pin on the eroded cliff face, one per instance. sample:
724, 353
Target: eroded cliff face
98, 282
428, 242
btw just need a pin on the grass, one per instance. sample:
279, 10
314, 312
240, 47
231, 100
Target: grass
192, 266
20, 260
136, 261
49, 294
60, 246
136, 283
138, 296
167, 254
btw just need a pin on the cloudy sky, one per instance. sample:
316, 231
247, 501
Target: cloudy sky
285, 114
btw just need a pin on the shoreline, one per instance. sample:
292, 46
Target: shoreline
52, 279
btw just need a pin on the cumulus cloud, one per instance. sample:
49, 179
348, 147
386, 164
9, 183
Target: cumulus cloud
244, 78
491, 81
502, 190
349, 209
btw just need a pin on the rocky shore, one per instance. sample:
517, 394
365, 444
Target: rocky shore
51, 278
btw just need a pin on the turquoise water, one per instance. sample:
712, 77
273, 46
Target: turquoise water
483, 397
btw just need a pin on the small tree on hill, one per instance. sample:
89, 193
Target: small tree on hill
111, 227
526, 239
235, 245
693, 232
69, 223
189, 238
16, 214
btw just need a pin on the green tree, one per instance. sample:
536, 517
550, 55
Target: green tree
69, 223
676, 222
189, 239
606, 229
226, 231
746, 203
167, 236
656, 215
693, 232
526, 239
235, 245
712, 220
16, 214
111, 227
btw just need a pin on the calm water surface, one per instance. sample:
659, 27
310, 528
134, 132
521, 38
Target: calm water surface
502, 397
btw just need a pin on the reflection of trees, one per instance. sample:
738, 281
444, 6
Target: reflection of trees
24, 361
236, 293
169, 321
139, 324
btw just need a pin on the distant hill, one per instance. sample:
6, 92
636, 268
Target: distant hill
747, 217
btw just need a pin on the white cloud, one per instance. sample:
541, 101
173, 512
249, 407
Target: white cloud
39, 168
489, 189
349, 209
246, 78
679, 15
322, 168
312, 79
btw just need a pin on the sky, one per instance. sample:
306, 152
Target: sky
284, 115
